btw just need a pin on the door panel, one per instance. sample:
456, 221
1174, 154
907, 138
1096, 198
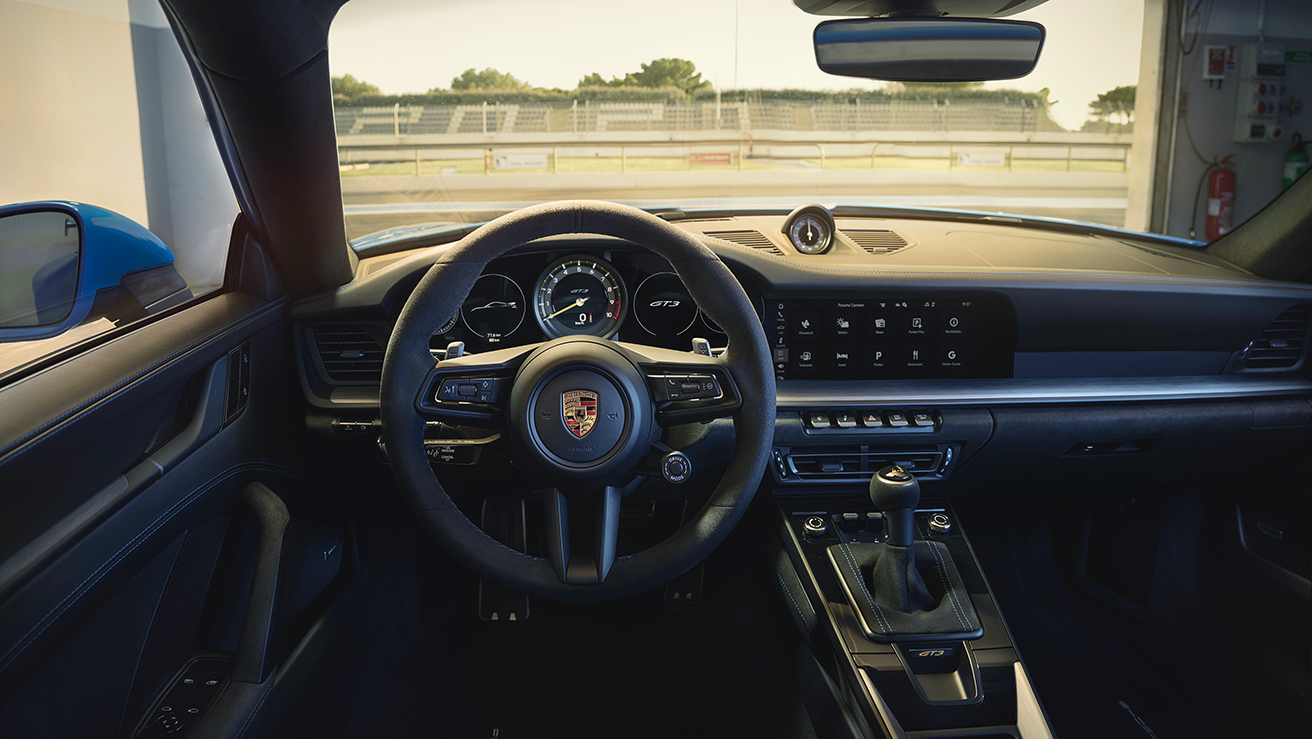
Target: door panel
120, 472
73, 427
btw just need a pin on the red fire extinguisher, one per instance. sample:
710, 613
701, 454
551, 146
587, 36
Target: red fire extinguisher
1220, 200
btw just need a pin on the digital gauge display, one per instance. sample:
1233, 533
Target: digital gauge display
580, 295
494, 308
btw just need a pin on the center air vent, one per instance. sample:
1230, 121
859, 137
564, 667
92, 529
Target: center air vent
752, 239
1280, 346
876, 241
834, 464
349, 353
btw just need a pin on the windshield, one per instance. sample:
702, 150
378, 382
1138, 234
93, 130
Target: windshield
455, 113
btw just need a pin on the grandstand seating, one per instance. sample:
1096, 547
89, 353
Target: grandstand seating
1015, 116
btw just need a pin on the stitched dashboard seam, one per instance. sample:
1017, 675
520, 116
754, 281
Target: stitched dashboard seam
791, 599
124, 384
856, 572
951, 593
268, 689
87, 583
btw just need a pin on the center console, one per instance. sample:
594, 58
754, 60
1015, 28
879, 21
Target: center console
968, 680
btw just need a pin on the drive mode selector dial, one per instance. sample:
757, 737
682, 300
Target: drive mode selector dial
580, 295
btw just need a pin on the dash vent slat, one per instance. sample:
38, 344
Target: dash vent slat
349, 353
1281, 345
751, 239
876, 241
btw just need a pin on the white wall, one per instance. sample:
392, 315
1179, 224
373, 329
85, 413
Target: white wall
99, 106
69, 122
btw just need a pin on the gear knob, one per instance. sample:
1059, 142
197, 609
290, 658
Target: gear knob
896, 492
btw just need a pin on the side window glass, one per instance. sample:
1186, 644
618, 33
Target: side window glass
112, 137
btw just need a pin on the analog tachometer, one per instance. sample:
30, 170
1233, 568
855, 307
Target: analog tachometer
580, 295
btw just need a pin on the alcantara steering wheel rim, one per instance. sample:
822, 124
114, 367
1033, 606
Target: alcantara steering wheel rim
408, 378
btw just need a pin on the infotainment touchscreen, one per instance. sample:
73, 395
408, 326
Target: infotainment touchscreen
890, 337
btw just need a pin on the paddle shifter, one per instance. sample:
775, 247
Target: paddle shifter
896, 580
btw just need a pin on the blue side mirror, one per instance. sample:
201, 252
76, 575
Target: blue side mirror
63, 263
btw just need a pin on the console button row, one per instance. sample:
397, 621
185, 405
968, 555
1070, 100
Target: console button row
469, 390
868, 419
683, 387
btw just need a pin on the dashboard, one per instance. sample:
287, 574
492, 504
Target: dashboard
955, 348
620, 294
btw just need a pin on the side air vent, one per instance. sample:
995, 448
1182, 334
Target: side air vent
752, 239
1280, 346
876, 241
349, 353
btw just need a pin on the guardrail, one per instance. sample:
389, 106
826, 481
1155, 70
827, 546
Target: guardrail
962, 150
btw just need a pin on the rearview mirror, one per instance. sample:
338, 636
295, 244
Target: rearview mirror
62, 263
928, 49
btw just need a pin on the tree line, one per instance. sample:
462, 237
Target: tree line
674, 80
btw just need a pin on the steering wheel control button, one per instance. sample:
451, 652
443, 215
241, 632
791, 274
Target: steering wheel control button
469, 390
683, 387
940, 524
814, 526
676, 468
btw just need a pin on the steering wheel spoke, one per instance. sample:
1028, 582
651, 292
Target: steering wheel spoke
471, 390
582, 568
687, 387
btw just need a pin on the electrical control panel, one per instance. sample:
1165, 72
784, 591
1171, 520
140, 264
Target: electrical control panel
1260, 94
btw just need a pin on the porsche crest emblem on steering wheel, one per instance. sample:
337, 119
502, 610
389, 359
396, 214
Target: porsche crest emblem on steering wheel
578, 409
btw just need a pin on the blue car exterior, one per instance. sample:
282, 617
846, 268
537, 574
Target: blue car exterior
110, 247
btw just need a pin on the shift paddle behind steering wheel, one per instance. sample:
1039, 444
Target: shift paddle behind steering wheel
581, 414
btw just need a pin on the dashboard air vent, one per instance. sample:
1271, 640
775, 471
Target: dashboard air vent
835, 464
876, 241
752, 239
1281, 345
349, 353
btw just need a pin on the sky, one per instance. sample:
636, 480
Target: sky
407, 46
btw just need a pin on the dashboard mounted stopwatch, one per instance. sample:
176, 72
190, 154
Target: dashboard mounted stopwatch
810, 229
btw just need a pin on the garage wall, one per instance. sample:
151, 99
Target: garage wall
1207, 113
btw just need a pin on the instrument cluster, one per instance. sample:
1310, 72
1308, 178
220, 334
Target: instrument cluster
525, 298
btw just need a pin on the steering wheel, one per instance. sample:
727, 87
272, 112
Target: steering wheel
582, 415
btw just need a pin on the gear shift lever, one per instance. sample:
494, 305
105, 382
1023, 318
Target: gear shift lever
896, 580
896, 492
886, 581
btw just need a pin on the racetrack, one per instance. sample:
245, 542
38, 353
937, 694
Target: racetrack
375, 203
